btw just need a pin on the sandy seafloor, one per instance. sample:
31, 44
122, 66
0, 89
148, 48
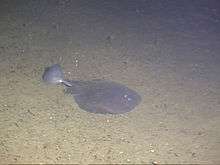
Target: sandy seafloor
168, 51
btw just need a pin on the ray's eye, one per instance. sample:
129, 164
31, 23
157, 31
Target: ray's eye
127, 98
